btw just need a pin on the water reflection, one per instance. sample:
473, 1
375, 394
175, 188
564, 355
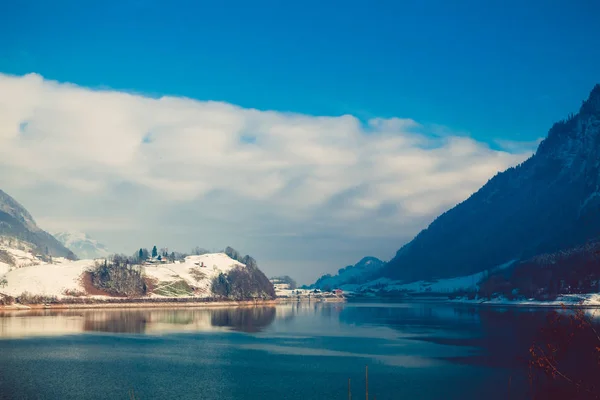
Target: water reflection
139, 321
248, 320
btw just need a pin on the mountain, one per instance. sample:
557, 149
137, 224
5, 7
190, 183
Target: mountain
548, 203
362, 271
16, 222
82, 245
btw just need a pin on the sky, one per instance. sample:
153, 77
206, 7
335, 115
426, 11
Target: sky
306, 134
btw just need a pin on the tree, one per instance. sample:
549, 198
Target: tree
141, 254
565, 359
198, 251
232, 253
154, 252
172, 257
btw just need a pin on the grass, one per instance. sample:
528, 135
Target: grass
174, 289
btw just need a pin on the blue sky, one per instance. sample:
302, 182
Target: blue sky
430, 86
494, 69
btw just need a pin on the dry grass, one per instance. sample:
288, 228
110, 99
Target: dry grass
197, 274
174, 289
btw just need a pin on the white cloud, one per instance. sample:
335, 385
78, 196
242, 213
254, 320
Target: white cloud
197, 172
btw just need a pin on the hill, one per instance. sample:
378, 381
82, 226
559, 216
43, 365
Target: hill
548, 203
208, 276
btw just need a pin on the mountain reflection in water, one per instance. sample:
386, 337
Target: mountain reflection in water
138, 321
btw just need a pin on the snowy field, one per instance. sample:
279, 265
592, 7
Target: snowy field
568, 300
61, 277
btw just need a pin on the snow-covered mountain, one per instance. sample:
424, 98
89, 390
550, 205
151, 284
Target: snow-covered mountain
16, 222
363, 271
548, 203
82, 245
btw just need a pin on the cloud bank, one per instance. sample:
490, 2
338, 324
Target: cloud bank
304, 194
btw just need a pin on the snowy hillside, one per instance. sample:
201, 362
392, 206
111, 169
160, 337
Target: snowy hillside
82, 245
436, 286
15, 253
196, 271
45, 279
63, 279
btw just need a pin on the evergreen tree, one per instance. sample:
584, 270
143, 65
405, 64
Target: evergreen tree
141, 254
154, 252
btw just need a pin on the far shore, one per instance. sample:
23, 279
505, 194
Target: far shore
141, 304
145, 303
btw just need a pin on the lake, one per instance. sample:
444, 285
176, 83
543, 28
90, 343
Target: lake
423, 350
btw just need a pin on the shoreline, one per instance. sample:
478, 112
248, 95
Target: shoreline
140, 304
524, 304
590, 301
124, 303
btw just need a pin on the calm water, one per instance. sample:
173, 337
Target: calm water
413, 350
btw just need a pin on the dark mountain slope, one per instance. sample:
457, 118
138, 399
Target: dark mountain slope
548, 203
366, 269
15, 221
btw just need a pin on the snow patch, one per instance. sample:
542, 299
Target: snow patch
47, 279
585, 300
449, 285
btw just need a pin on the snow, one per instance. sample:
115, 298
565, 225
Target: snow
214, 264
585, 300
36, 277
448, 285
4, 268
21, 252
46, 279
469, 282
82, 244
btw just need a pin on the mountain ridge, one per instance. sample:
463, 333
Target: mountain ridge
82, 245
549, 202
17, 222
363, 270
